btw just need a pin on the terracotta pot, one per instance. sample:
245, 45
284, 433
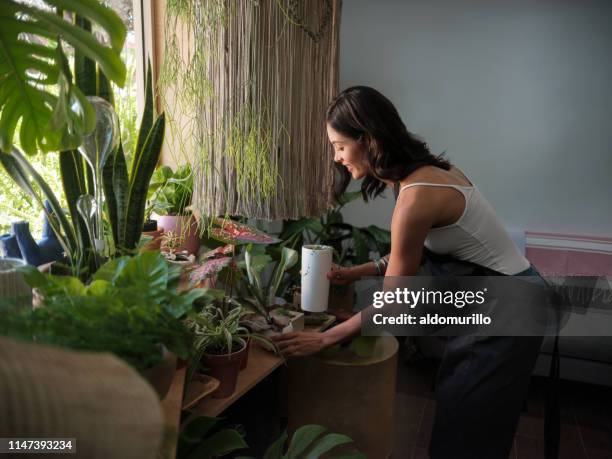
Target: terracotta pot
245, 358
155, 242
160, 376
225, 368
185, 226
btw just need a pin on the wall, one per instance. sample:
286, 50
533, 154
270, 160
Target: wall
517, 93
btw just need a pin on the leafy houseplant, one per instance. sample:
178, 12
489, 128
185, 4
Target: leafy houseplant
170, 197
39, 95
131, 308
352, 245
262, 297
331, 229
202, 437
311, 442
219, 344
124, 193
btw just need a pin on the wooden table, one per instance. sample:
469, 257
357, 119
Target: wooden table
261, 364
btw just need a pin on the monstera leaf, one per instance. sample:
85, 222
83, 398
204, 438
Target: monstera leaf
36, 90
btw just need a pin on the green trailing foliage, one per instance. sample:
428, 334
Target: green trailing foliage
37, 91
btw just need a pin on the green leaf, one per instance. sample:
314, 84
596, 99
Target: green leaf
146, 121
353, 454
275, 450
289, 258
363, 346
360, 246
137, 196
348, 196
105, 17
29, 71
196, 428
327, 443
98, 287
73, 182
303, 438
218, 444
147, 272
112, 269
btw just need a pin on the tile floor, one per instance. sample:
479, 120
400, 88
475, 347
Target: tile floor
586, 417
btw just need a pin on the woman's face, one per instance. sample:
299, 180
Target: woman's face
349, 153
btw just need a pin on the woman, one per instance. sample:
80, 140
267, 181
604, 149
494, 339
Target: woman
482, 382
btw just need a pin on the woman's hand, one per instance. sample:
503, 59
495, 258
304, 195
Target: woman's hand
340, 275
301, 343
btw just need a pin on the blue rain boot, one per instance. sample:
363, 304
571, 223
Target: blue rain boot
29, 248
9, 247
41, 252
49, 244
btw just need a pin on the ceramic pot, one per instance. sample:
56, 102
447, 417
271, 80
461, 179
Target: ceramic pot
184, 226
225, 368
245, 358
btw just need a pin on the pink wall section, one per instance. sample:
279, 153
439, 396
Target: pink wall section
569, 254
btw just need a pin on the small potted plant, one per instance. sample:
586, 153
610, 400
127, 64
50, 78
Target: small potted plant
170, 249
270, 314
170, 200
219, 344
131, 308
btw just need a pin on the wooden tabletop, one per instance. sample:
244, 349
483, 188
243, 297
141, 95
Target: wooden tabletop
261, 364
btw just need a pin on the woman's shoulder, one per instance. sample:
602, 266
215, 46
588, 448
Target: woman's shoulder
435, 175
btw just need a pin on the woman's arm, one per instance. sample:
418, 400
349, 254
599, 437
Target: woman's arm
411, 222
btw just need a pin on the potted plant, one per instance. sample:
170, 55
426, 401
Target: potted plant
131, 308
170, 249
219, 344
170, 198
270, 313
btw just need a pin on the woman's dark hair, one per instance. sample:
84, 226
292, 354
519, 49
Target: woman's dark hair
365, 115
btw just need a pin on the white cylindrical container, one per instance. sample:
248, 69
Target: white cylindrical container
316, 263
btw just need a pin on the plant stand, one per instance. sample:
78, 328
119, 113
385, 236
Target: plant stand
347, 394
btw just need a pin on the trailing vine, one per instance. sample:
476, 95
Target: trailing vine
227, 84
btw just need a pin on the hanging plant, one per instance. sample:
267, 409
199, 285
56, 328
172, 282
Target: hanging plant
244, 111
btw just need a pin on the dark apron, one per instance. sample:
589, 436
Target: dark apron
482, 385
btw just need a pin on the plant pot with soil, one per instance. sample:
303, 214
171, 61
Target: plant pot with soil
170, 199
219, 345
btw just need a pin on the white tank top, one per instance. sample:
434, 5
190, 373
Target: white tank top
477, 236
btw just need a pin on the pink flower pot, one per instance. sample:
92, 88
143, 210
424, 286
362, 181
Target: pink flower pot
185, 226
